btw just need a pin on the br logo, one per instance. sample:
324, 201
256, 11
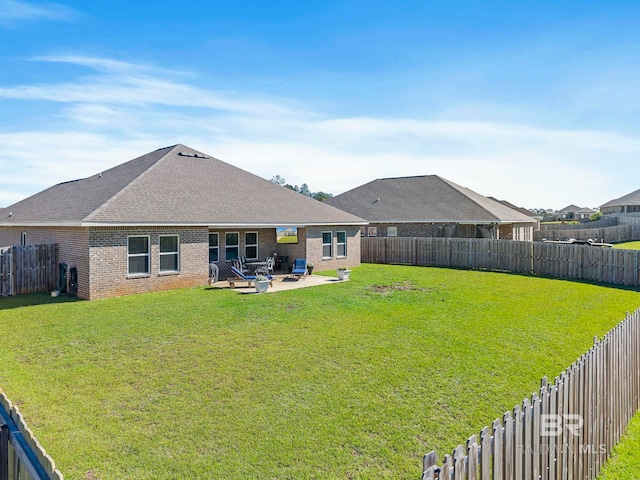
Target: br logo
552, 424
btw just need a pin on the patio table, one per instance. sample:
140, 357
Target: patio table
255, 265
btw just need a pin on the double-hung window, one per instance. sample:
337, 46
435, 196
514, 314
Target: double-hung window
138, 255
214, 247
341, 244
251, 245
169, 253
231, 246
327, 245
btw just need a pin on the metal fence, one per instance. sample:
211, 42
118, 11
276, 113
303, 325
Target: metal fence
21, 455
576, 262
566, 430
28, 269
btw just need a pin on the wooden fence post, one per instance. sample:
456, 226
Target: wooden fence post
4, 451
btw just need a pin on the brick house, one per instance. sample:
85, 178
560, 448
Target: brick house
431, 206
155, 222
629, 203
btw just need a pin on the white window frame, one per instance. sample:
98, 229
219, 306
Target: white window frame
330, 244
162, 254
227, 246
392, 231
339, 244
372, 231
247, 245
148, 255
215, 247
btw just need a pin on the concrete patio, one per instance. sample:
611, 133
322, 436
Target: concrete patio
280, 283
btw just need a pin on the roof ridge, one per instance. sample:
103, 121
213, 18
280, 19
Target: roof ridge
465, 191
408, 176
137, 178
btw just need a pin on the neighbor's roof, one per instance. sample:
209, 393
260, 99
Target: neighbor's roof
570, 209
632, 198
586, 210
173, 186
522, 210
427, 198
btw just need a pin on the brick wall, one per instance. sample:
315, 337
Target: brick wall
100, 254
73, 247
314, 248
109, 260
453, 230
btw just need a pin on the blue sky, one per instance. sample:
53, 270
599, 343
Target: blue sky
533, 102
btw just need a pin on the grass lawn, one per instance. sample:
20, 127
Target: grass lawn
355, 379
628, 245
624, 463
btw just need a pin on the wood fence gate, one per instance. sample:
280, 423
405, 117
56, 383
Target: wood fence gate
28, 269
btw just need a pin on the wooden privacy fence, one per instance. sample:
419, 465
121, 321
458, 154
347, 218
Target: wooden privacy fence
21, 455
565, 431
620, 233
28, 269
578, 262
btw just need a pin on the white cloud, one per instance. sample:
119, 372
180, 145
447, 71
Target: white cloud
124, 83
12, 11
126, 109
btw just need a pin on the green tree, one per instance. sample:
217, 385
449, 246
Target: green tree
303, 189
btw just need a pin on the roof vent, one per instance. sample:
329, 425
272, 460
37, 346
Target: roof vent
192, 155
376, 200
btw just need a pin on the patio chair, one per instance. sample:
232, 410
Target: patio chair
271, 263
241, 277
299, 268
239, 264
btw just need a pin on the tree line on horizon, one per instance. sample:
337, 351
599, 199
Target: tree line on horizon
303, 189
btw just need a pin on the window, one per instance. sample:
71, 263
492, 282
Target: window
373, 232
23, 238
214, 248
392, 231
169, 253
341, 244
327, 245
138, 255
231, 246
251, 245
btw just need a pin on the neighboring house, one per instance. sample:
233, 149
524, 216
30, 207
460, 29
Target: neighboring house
585, 213
574, 212
155, 222
524, 211
628, 204
431, 206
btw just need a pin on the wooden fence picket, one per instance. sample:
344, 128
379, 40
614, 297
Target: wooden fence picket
575, 262
28, 269
567, 429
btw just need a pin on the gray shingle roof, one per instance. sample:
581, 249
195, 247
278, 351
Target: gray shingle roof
174, 185
632, 198
570, 209
522, 210
427, 198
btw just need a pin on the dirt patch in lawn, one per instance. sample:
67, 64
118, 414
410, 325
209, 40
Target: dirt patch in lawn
395, 287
